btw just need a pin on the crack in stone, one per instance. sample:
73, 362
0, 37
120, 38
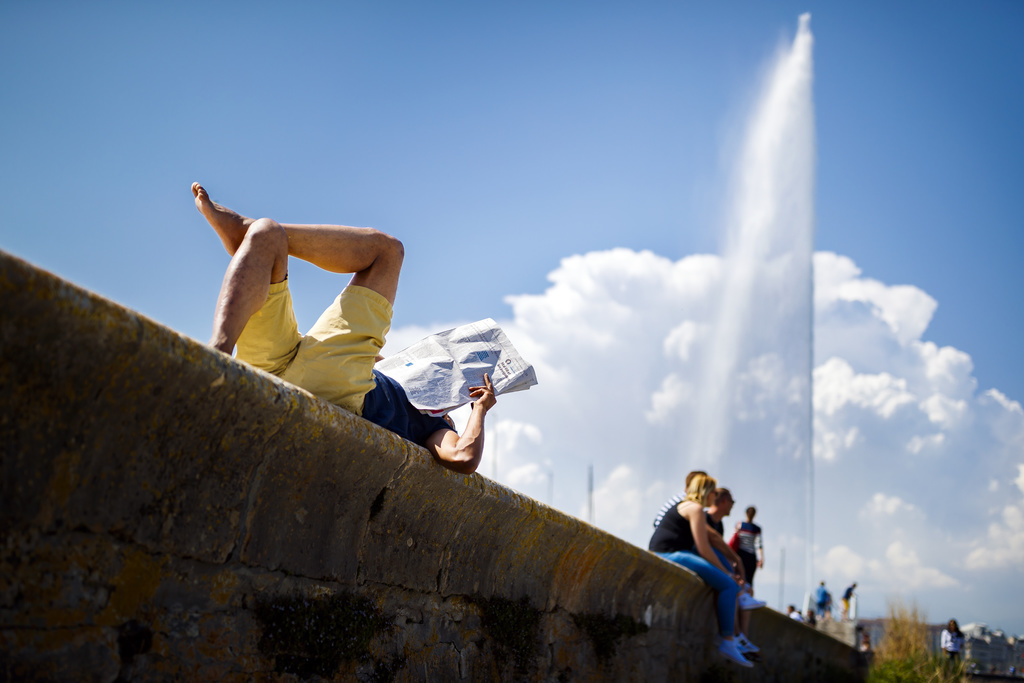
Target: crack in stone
370, 514
254, 487
55, 629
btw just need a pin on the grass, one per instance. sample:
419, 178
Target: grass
903, 657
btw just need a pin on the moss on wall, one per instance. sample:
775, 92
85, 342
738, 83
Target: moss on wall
313, 635
512, 624
604, 631
151, 486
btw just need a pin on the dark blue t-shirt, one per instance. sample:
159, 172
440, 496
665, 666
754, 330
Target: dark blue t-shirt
386, 405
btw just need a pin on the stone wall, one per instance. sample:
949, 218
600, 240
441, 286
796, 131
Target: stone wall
168, 513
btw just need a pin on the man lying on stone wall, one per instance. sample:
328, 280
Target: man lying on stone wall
335, 359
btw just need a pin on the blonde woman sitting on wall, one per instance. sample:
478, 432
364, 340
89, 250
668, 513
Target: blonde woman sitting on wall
682, 537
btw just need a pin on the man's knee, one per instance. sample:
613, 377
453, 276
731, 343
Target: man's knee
391, 248
382, 274
266, 234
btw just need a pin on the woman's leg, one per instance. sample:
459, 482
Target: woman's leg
739, 625
719, 581
749, 565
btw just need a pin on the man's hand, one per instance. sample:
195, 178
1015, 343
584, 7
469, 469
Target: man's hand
463, 453
484, 395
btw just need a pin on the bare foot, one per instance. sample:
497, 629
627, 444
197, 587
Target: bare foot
230, 226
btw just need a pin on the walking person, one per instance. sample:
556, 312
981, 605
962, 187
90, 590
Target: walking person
847, 599
952, 642
750, 547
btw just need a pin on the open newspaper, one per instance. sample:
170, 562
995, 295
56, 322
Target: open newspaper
438, 371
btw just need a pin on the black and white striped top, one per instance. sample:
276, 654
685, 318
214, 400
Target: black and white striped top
674, 501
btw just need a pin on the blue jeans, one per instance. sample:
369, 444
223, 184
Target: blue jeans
721, 557
720, 582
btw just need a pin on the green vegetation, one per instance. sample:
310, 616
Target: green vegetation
604, 631
313, 636
903, 655
512, 624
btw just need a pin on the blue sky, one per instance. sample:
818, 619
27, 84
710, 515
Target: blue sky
579, 127
497, 140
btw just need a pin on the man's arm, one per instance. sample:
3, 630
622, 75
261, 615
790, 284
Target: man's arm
462, 454
694, 514
720, 544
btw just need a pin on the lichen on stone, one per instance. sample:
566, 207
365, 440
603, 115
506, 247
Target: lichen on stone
309, 636
604, 631
512, 624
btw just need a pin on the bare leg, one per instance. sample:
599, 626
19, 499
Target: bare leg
230, 226
374, 257
260, 259
743, 619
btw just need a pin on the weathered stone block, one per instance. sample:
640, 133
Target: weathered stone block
168, 513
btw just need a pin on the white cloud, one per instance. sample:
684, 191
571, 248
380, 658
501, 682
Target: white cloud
673, 393
882, 505
898, 571
1007, 404
1004, 542
932, 442
621, 341
837, 386
761, 385
513, 443
943, 410
681, 339
622, 495
843, 563
1006, 417
906, 310
831, 442
515, 435
947, 369
525, 475
908, 572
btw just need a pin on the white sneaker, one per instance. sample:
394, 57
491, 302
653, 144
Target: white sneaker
747, 602
745, 644
731, 651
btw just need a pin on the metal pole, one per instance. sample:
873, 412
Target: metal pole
590, 493
782, 580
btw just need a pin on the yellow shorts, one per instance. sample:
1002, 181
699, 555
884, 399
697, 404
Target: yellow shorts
335, 359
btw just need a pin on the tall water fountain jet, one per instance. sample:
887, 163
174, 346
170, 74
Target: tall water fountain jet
762, 338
